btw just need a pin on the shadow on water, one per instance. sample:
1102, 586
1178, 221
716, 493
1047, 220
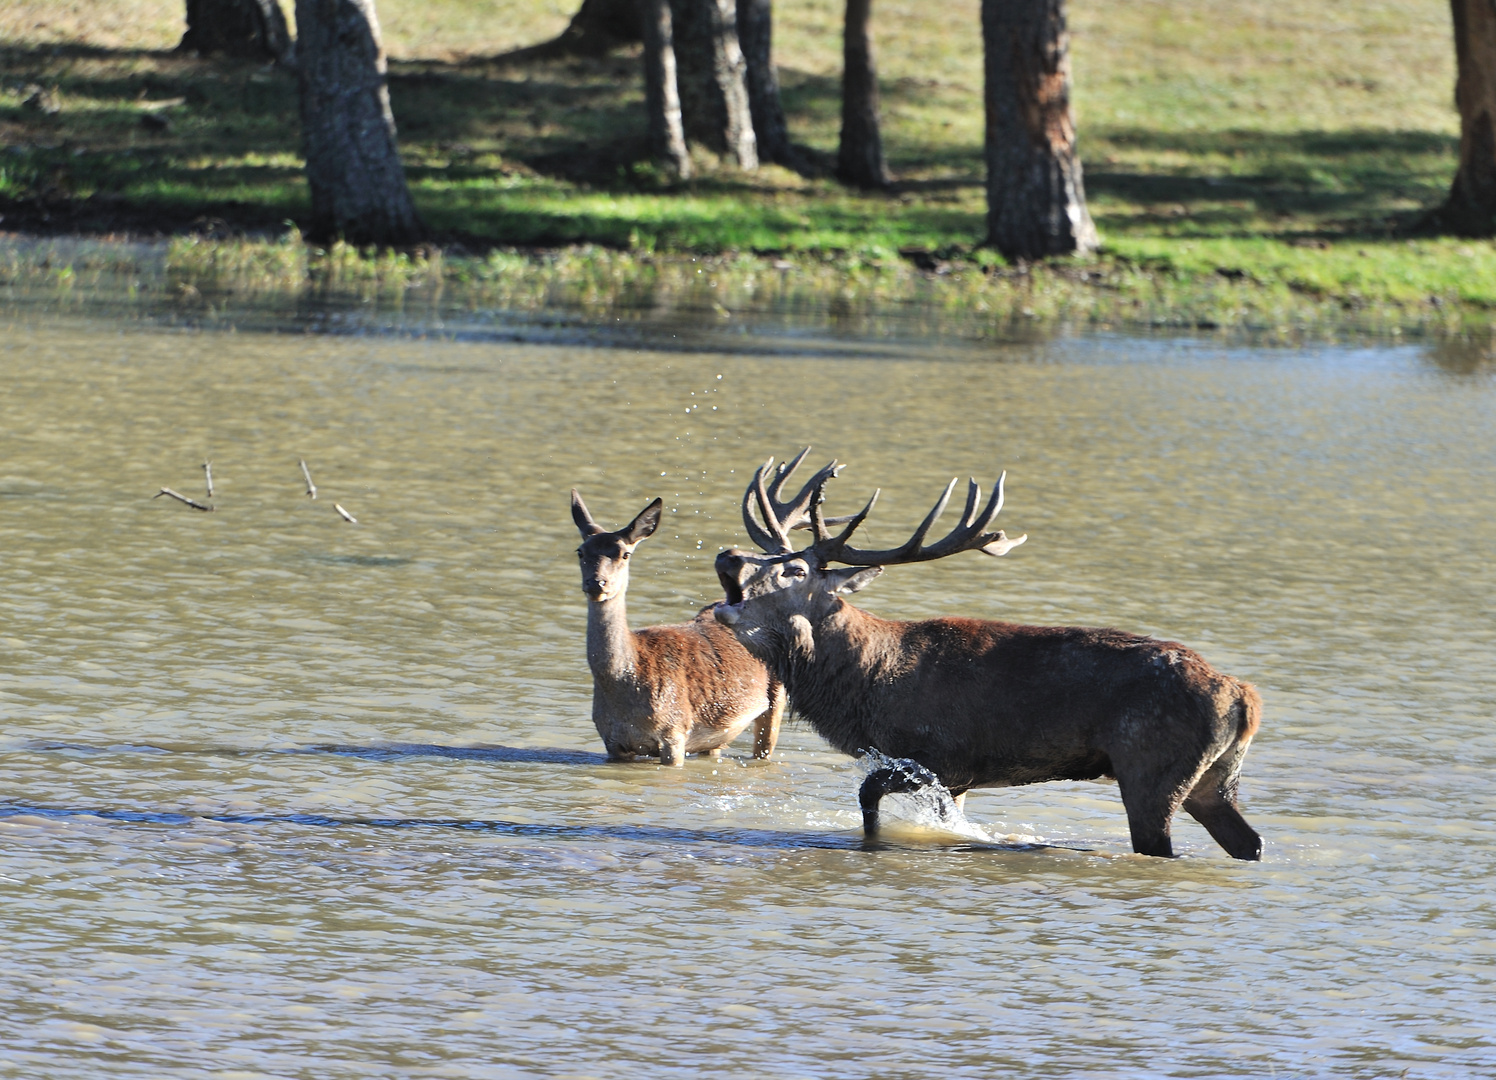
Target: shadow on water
644, 833
363, 560
650, 834
539, 755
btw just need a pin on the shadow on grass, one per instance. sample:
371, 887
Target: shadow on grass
1239, 183
507, 152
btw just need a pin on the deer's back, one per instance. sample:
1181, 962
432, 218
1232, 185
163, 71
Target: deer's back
704, 660
995, 702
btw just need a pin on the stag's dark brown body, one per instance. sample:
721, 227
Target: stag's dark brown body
997, 704
982, 704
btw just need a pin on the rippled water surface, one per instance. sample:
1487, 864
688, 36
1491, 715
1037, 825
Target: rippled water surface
287, 796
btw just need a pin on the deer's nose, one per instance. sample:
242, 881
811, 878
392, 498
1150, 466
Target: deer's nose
729, 568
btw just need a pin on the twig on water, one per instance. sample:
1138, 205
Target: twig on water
181, 498
311, 488
346, 515
208, 469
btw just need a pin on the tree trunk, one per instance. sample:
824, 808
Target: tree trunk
667, 138
859, 158
712, 75
755, 35
1471, 207
255, 29
1036, 202
598, 27
352, 163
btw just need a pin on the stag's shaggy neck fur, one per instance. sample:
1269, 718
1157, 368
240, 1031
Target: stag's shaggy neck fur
827, 666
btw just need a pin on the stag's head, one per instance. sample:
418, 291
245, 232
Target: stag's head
779, 594
605, 555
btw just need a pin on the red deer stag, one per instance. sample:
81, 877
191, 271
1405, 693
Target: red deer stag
664, 690
983, 704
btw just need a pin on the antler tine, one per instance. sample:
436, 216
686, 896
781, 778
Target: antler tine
779, 517
828, 548
784, 472
967, 536
795, 513
973, 496
912, 545
776, 539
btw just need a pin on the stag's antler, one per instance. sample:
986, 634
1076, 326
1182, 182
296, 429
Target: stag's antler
779, 516
967, 536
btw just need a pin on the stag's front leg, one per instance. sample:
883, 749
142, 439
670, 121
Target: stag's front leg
902, 776
766, 727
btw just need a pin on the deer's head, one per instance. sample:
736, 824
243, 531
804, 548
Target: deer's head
605, 555
782, 593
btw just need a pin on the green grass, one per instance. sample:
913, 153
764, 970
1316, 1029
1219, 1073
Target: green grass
1246, 167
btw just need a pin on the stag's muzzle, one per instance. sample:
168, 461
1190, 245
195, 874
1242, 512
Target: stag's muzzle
730, 566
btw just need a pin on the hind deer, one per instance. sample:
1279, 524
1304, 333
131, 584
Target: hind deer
664, 691
976, 703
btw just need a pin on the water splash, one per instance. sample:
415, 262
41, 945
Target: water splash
931, 807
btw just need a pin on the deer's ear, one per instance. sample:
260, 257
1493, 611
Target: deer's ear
851, 579
583, 519
643, 525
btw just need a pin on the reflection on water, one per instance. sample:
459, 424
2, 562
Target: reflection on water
286, 796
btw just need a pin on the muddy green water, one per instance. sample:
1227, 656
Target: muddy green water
285, 796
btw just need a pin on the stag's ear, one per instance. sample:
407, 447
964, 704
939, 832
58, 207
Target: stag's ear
853, 578
643, 525
583, 519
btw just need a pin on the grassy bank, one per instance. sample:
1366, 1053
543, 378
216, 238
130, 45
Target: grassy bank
1258, 167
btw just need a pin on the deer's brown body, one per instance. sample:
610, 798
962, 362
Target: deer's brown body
665, 691
987, 704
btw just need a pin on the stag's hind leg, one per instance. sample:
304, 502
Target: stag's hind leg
1151, 793
1212, 802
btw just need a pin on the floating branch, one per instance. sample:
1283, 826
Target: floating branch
208, 469
181, 498
346, 515
311, 488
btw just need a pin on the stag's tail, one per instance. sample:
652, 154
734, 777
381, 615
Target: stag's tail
1249, 712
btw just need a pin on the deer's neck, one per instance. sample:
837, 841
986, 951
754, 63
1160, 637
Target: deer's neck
610, 644
831, 684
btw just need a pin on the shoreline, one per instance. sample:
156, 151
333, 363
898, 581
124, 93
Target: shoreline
1183, 288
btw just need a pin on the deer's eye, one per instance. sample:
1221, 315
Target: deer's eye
626, 554
794, 571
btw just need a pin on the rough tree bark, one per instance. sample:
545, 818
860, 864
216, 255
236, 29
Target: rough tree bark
755, 35
713, 79
1470, 209
255, 29
667, 138
1036, 202
859, 157
352, 163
